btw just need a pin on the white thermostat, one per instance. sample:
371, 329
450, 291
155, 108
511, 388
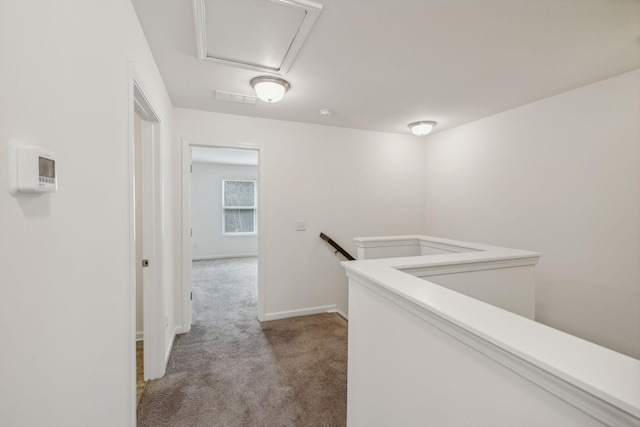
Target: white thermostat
32, 169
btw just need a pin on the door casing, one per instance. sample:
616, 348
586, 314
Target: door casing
152, 220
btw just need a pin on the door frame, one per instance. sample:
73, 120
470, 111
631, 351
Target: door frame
187, 312
153, 297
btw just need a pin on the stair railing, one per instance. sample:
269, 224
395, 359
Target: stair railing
336, 246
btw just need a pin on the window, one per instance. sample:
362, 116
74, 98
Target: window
239, 207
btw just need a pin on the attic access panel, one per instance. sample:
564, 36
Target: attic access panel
263, 35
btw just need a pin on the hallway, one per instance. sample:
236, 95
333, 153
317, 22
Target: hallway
231, 370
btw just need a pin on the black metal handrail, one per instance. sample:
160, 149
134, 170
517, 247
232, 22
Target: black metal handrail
336, 246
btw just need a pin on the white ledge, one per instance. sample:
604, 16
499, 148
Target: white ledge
596, 380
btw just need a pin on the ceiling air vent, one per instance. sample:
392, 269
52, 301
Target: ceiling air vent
259, 35
235, 97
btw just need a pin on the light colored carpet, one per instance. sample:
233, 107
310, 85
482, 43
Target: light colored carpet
231, 370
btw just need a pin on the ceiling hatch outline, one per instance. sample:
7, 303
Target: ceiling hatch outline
310, 10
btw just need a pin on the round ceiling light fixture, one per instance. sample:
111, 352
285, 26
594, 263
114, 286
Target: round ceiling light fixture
422, 128
270, 89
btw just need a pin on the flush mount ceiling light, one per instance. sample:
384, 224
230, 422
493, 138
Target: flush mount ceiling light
270, 89
421, 128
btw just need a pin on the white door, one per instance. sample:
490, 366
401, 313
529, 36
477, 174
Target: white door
148, 213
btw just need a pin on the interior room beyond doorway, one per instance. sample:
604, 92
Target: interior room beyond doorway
224, 185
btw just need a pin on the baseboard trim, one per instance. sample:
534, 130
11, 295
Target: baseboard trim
169, 348
139, 335
301, 312
341, 314
180, 330
205, 257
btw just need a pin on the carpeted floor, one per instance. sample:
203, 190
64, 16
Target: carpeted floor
231, 370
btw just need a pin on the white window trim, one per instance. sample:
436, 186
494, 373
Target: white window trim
254, 208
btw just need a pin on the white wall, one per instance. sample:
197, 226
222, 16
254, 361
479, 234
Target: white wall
560, 176
343, 182
208, 240
411, 367
66, 294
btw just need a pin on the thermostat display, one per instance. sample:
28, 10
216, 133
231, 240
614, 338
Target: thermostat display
33, 170
47, 169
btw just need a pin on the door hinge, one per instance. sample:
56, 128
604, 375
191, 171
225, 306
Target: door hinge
145, 263
191, 168
191, 296
191, 232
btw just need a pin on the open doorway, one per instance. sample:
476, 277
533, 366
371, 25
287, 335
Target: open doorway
140, 380
224, 185
221, 213
148, 323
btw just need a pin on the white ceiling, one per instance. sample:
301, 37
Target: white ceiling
381, 64
224, 156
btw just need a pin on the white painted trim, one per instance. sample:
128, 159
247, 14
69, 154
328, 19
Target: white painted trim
445, 247
153, 287
301, 312
342, 314
205, 257
139, 336
142, 105
365, 242
455, 246
200, 26
262, 225
180, 330
463, 267
153, 297
312, 11
132, 251
167, 354
185, 303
